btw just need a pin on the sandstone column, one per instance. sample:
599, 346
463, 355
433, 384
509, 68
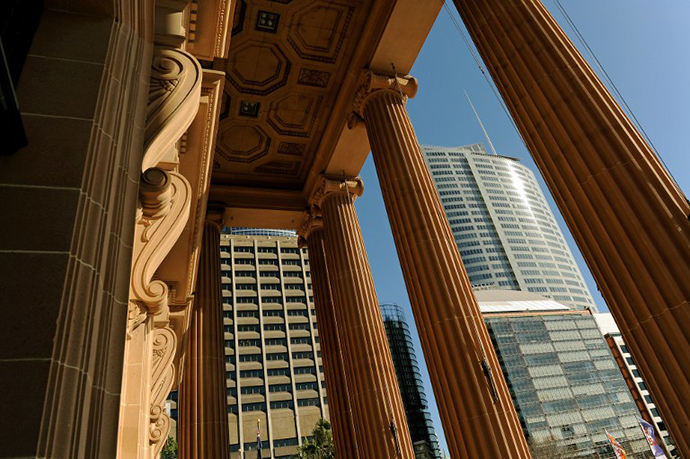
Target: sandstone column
626, 213
203, 425
377, 412
340, 409
478, 416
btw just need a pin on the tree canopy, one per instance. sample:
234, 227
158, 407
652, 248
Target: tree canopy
321, 445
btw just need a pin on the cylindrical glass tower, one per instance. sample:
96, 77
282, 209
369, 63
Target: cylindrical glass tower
507, 235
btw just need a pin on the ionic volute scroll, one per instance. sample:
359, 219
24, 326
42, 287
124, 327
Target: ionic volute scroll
373, 83
312, 221
173, 101
328, 184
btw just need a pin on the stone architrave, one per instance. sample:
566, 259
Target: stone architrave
340, 409
478, 416
626, 213
377, 413
203, 421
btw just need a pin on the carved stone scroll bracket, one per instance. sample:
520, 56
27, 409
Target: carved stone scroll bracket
164, 345
173, 101
372, 84
154, 238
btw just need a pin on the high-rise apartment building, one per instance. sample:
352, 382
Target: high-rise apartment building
565, 384
273, 363
421, 427
507, 235
633, 377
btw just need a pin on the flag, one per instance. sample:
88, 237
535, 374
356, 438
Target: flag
259, 446
617, 448
648, 430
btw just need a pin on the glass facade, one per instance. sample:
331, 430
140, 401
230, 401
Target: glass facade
608, 327
422, 431
506, 233
565, 383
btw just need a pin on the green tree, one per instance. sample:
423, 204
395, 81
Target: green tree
169, 449
321, 447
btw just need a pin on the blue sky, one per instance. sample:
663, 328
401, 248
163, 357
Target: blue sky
642, 44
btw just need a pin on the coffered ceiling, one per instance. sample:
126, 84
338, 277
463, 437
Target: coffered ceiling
291, 75
284, 71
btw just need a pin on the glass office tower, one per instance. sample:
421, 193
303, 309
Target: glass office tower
422, 432
564, 381
507, 235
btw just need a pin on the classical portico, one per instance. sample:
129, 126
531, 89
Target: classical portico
260, 113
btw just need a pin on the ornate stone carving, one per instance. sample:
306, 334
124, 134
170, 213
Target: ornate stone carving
156, 236
288, 168
370, 83
172, 102
312, 221
291, 148
136, 315
310, 77
329, 184
164, 344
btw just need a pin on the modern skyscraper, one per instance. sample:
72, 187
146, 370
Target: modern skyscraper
272, 353
631, 373
507, 235
564, 381
421, 427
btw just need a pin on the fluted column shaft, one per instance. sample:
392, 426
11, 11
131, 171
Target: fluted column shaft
339, 409
203, 423
377, 411
478, 417
625, 212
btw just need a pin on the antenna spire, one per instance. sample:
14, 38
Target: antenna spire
486, 134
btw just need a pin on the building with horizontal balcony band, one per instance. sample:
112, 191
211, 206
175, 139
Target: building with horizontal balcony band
273, 365
504, 228
419, 422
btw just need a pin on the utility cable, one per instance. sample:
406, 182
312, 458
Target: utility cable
617, 94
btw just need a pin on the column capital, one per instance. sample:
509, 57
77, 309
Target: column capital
312, 222
327, 185
371, 83
215, 215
